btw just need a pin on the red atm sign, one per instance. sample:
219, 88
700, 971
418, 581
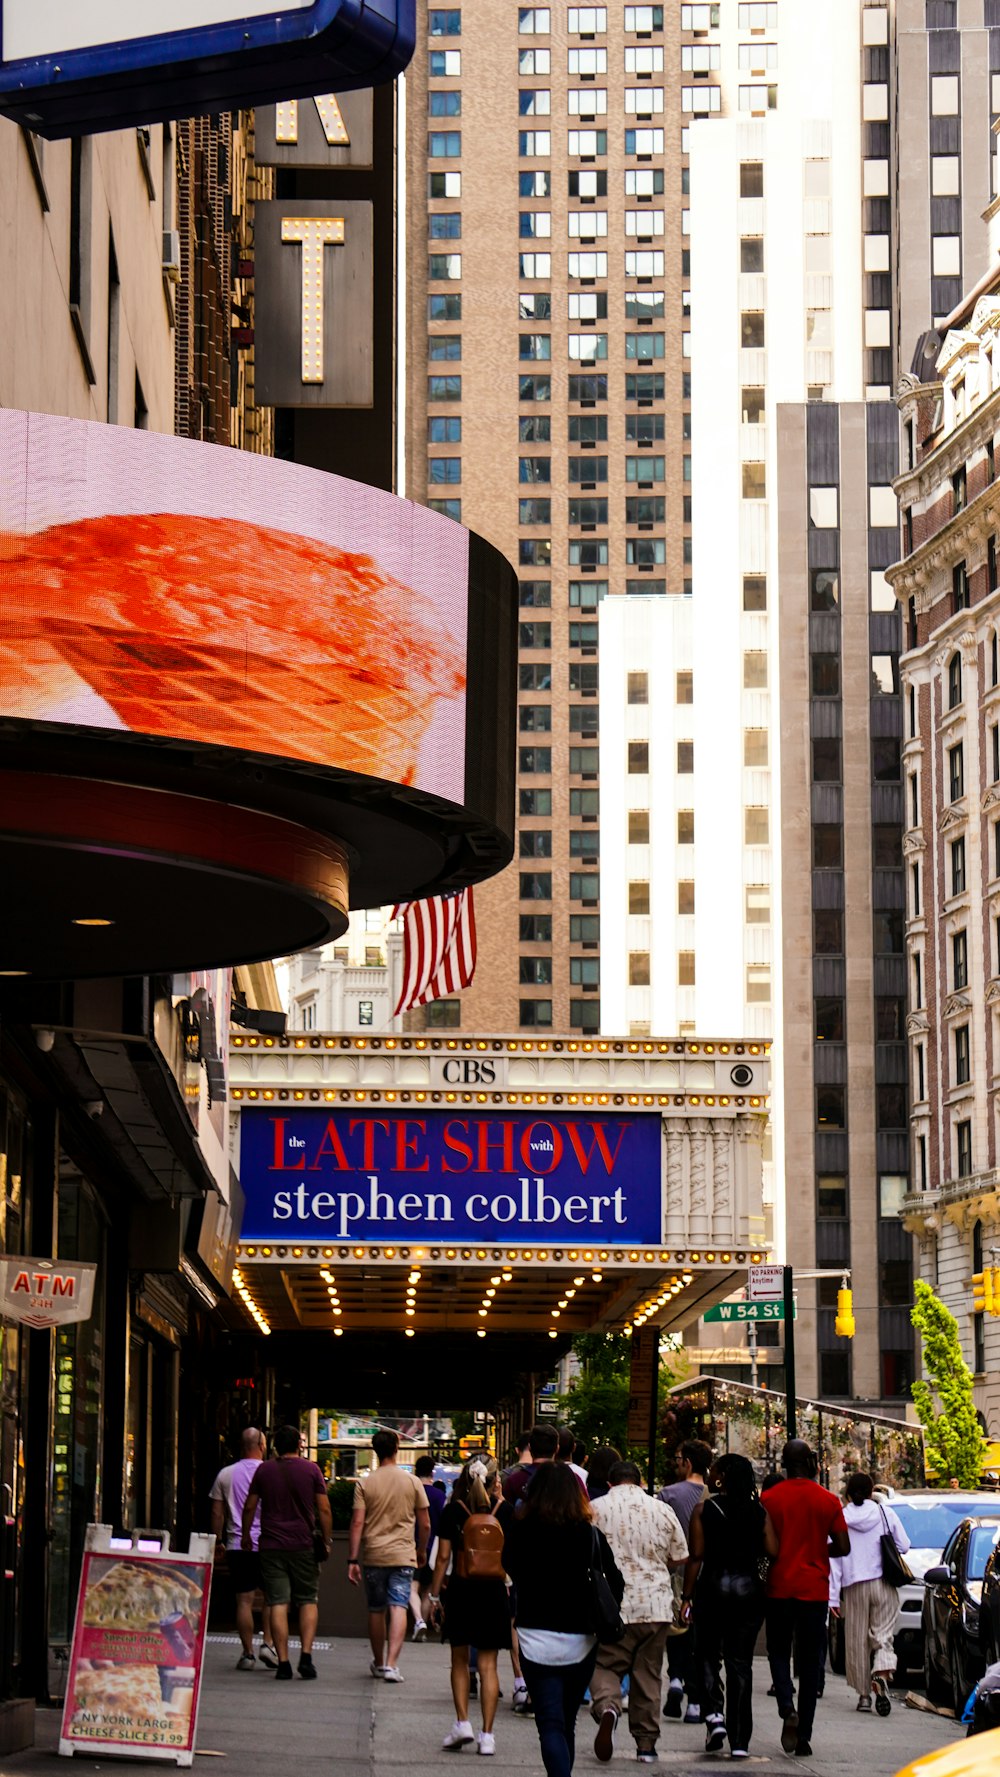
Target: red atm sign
45, 1293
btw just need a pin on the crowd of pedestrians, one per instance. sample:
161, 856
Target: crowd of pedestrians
584, 1581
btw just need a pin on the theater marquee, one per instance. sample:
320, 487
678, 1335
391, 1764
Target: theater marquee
343, 1176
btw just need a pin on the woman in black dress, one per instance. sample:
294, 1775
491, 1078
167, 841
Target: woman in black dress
729, 1540
476, 1610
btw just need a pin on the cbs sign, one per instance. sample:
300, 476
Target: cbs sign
469, 1071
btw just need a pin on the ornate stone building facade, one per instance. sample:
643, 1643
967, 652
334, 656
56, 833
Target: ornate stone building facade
947, 586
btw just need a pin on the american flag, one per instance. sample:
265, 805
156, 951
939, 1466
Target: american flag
439, 947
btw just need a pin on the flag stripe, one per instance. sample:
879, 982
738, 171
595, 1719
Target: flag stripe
439, 947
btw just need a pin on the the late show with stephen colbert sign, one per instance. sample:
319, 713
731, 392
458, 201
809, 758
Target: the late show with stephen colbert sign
347, 1175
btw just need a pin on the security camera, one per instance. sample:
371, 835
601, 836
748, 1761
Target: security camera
46, 1040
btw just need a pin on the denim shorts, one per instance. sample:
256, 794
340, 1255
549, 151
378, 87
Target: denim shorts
388, 1586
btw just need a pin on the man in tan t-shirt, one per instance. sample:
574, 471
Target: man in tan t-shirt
390, 1515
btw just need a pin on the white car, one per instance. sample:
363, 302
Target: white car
929, 1518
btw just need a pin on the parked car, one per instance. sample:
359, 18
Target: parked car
953, 1590
978, 1757
989, 1610
929, 1519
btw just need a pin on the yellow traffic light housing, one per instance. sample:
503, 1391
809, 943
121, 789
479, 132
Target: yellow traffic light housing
983, 1292
844, 1324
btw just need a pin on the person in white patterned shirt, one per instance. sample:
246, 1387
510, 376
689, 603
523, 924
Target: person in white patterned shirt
645, 1537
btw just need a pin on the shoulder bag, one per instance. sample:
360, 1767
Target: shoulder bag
608, 1625
895, 1570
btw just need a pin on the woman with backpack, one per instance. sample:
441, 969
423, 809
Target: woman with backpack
556, 1558
476, 1608
730, 1541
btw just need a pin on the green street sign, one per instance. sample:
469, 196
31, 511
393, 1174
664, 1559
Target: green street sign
737, 1311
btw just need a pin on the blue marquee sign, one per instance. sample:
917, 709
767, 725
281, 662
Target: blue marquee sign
70, 66
324, 1175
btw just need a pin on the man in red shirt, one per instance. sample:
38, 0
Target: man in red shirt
811, 1527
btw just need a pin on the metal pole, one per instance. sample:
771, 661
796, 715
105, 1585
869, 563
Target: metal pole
752, 1349
788, 1291
654, 1416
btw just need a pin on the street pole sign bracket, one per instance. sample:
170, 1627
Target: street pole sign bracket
73, 66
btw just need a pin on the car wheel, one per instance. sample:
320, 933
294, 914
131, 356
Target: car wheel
959, 1688
934, 1685
835, 1639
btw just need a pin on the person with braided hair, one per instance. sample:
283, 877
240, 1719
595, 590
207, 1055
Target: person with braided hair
730, 1539
474, 1606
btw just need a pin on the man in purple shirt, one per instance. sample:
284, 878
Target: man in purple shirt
291, 1494
228, 1495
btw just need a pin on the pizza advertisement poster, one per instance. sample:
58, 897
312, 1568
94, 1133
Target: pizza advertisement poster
158, 586
136, 1661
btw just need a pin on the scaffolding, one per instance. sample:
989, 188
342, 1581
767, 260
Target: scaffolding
732, 1416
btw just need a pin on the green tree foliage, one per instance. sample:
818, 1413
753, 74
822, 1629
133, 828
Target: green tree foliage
953, 1436
597, 1403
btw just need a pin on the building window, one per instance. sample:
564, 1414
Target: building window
638, 968
535, 971
755, 670
958, 866
824, 589
954, 681
752, 173
960, 960
443, 1015
962, 1055
758, 984
638, 758
684, 688
956, 772
445, 24
638, 897
685, 897
960, 587
752, 330
536, 885
959, 489
918, 978
829, 1017
754, 481
823, 508
685, 757
638, 687
758, 904
828, 846
831, 1107
535, 1013
584, 886
963, 1148
685, 826
834, 1374
756, 826
828, 930
685, 968
831, 1197
585, 1015
754, 592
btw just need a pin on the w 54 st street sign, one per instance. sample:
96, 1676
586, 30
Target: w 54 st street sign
739, 1311
72, 66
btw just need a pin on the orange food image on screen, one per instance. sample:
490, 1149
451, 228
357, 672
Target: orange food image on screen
223, 632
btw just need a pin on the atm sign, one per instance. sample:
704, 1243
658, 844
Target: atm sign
45, 1293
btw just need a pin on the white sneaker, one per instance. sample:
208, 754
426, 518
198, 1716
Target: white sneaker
267, 1656
375, 1669
458, 1736
419, 1630
487, 1745
392, 1675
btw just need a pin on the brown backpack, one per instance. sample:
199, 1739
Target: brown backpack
480, 1555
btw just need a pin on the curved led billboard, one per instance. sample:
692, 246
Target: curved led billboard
203, 594
211, 624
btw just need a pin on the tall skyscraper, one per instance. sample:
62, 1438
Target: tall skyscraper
546, 395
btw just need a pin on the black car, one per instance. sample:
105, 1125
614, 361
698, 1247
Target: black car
954, 1659
989, 1609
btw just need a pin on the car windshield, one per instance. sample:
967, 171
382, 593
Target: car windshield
981, 1545
929, 1526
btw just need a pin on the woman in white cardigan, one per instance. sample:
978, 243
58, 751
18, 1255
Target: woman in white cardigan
866, 1601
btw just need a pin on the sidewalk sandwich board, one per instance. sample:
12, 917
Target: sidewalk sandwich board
138, 1647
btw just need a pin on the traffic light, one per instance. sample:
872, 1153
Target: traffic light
843, 1326
984, 1291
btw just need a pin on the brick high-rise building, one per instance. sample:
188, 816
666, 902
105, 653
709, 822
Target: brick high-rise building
546, 399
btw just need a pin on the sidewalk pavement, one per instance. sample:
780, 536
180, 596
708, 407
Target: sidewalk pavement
351, 1725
